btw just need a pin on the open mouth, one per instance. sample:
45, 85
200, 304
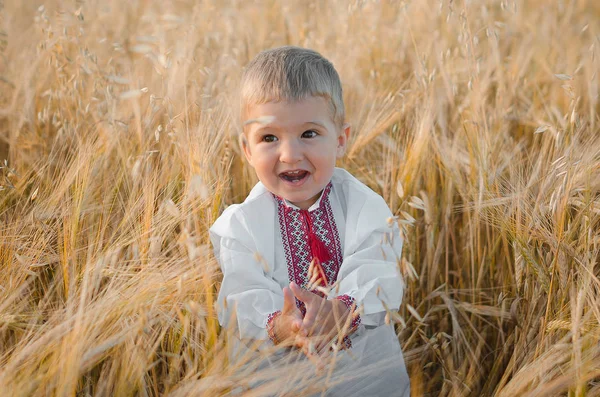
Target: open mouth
295, 176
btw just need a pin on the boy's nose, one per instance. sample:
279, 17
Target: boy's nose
290, 152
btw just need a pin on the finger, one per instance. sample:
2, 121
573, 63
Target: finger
312, 303
307, 346
310, 317
301, 343
303, 331
296, 325
301, 294
298, 328
288, 301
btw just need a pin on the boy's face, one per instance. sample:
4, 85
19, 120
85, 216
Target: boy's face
293, 146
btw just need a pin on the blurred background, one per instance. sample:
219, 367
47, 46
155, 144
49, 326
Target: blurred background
476, 120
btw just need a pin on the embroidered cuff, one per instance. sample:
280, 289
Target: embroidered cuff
350, 302
346, 342
271, 326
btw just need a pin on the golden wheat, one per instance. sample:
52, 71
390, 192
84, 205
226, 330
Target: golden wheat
477, 121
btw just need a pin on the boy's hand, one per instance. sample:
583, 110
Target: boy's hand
289, 322
323, 317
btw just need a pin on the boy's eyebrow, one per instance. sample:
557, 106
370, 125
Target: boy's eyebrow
260, 120
265, 123
317, 122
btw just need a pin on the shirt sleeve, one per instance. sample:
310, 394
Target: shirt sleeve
370, 273
247, 295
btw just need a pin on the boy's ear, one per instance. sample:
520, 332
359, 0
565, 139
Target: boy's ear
343, 138
243, 141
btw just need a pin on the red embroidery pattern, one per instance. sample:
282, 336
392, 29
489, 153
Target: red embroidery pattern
349, 301
271, 326
294, 231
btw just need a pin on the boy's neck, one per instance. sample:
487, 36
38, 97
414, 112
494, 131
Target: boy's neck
315, 202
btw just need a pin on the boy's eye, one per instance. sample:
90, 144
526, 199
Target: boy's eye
269, 138
309, 134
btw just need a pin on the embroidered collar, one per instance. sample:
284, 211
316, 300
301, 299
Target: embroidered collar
320, 203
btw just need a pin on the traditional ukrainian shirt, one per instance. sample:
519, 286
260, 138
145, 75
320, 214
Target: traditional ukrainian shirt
264, 243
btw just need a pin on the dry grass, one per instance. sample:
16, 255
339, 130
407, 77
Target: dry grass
477, 121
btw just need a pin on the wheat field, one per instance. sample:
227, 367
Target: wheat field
478, 122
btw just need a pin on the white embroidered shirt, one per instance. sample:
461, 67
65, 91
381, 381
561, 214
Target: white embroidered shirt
263, 243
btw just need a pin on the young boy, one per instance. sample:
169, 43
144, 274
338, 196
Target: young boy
310, 257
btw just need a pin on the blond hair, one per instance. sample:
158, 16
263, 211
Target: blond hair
291, 74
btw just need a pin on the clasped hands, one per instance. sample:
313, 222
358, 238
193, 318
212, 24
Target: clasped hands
323, 321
